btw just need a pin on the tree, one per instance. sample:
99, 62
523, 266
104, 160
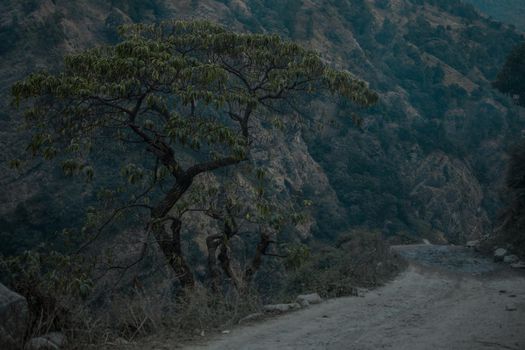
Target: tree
511, 78
190, 93
513, 218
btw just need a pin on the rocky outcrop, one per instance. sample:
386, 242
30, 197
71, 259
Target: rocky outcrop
13, 318
448, 196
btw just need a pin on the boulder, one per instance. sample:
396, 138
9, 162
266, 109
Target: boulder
41, 343
518, 265
14, 315
499, 254
511, 259
281, 307
307, 299
473, 244
511, 307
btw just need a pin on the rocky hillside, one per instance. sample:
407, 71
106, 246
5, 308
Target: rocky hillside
426, 161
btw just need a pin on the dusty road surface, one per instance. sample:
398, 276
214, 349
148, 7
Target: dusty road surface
448, 298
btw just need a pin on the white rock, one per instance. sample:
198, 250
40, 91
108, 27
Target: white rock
281, 307
13, 318
499, 254
41, 343
518, 265
511, 259
251, 317
307, 299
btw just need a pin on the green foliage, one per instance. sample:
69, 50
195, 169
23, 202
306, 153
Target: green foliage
190, 84
52, 283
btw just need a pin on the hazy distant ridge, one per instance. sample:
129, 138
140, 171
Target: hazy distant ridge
508, 11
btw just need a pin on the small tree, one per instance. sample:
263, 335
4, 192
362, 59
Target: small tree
511, 78
190, 93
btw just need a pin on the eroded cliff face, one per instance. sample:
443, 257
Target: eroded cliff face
427, 160
445, 194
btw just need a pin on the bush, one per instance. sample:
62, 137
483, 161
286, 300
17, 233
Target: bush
359, 259
53, 285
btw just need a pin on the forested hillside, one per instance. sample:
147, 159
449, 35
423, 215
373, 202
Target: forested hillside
507, 11
426, 161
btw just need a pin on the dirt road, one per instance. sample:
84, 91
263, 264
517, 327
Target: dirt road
448, 298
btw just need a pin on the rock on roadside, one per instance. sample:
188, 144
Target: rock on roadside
307, 299
50, 341
281, 307
14, 315
41, 343
518, 265
511, 259
499, 254
252, 317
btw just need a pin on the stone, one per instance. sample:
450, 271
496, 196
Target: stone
510, 307
49, 341
41, 343
518, 265
14, 314
251, 317
281, 307
511, 259
499, 254
306, 299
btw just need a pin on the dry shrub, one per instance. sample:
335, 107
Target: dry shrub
142, 313
360, 259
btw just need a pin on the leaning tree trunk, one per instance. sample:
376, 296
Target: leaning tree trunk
171, 246
172, 249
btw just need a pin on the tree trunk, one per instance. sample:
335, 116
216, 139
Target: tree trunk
172, 250
224, 258
171, 246
260, 251
214, 274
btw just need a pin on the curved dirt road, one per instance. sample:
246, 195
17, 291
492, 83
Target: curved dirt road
448, 298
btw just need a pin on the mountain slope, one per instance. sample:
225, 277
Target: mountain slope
426, 161
506, 11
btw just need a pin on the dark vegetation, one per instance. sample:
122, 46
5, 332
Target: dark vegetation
511, 80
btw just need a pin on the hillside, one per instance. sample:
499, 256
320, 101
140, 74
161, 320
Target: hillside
425, 162
506, 11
